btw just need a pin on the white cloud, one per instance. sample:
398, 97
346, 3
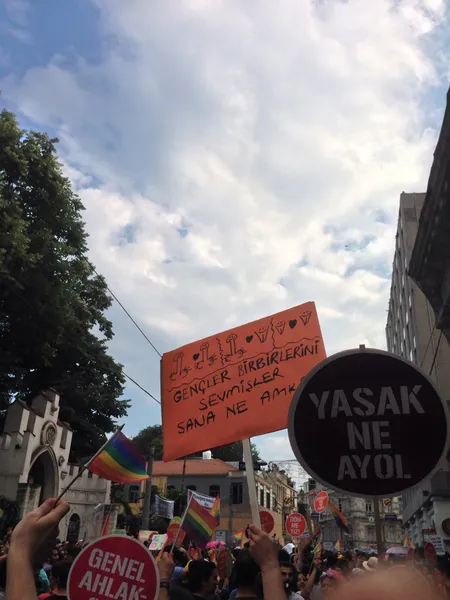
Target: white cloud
247, 150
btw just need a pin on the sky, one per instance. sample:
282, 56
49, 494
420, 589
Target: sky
234, 158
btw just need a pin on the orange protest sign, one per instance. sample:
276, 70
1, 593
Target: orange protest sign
238, 383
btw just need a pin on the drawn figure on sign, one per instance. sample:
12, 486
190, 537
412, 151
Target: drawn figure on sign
205, 357
179, 370
305, 316
262, 333
279, 326
233, 353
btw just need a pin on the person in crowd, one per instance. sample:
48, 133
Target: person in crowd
248, 577
371, 564
329, 581
289, 576
58, 580
441, 576
180, 560
201, 581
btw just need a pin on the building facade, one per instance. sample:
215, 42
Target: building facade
213, 477
361, 518
430, 261
34, 455
412, 332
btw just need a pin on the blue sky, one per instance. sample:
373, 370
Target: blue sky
234, 158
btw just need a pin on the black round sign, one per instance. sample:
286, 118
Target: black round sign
368, 423
446, 526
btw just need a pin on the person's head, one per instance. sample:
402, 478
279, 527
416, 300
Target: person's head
202, 577
371, 564
179, 558
60, 574
246, 571
329, 581
289, 575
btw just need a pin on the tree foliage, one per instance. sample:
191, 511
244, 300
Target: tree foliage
53, 328
153, 436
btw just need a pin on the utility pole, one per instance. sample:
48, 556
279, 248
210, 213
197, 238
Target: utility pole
378, 531
148, 489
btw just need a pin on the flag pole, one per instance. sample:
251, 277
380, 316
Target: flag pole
182, 521
89, 462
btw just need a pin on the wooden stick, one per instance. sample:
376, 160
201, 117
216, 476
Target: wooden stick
89, 462
248, 459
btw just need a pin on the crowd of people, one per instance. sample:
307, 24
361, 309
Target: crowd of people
35, 564
304, 576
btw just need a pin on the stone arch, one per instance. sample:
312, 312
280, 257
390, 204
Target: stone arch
73, 530
44, 472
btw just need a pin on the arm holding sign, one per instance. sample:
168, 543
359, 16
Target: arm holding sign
166, 567
265, 553
26, 540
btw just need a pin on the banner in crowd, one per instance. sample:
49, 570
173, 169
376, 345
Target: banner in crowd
164, 508
202, 499
158, 541
239, 383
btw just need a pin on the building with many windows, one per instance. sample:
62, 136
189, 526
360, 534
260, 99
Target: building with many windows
411, 332
361, 519
213, 477
430, 261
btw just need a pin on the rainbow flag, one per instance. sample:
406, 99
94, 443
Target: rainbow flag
338, 545
318, 548
215, 509
239, 537
408, 543
198, 523
339, 518
119, 461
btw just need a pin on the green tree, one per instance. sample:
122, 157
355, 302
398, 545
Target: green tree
152, 436
53, 330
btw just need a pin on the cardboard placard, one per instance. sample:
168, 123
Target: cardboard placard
267, 521
296, 525
239, 383
321, 501
352, 420
113, 567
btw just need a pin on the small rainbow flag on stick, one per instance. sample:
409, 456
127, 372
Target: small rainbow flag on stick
408, 543
215, 509
198, 523
119, 461
338, 545
239, 537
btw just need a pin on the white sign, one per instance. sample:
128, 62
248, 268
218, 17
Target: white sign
202, 499
164, 508
328, 546
221, 535
158, 541
438, 544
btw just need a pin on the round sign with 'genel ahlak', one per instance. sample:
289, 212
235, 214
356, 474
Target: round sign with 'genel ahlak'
368, 423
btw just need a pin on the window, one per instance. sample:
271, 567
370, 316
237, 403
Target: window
369, 507
214, 490
237, 493
370, 534
134, 494
261, 497
340, 504
267, 499
193, 488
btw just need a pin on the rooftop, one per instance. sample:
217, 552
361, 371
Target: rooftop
196, 466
